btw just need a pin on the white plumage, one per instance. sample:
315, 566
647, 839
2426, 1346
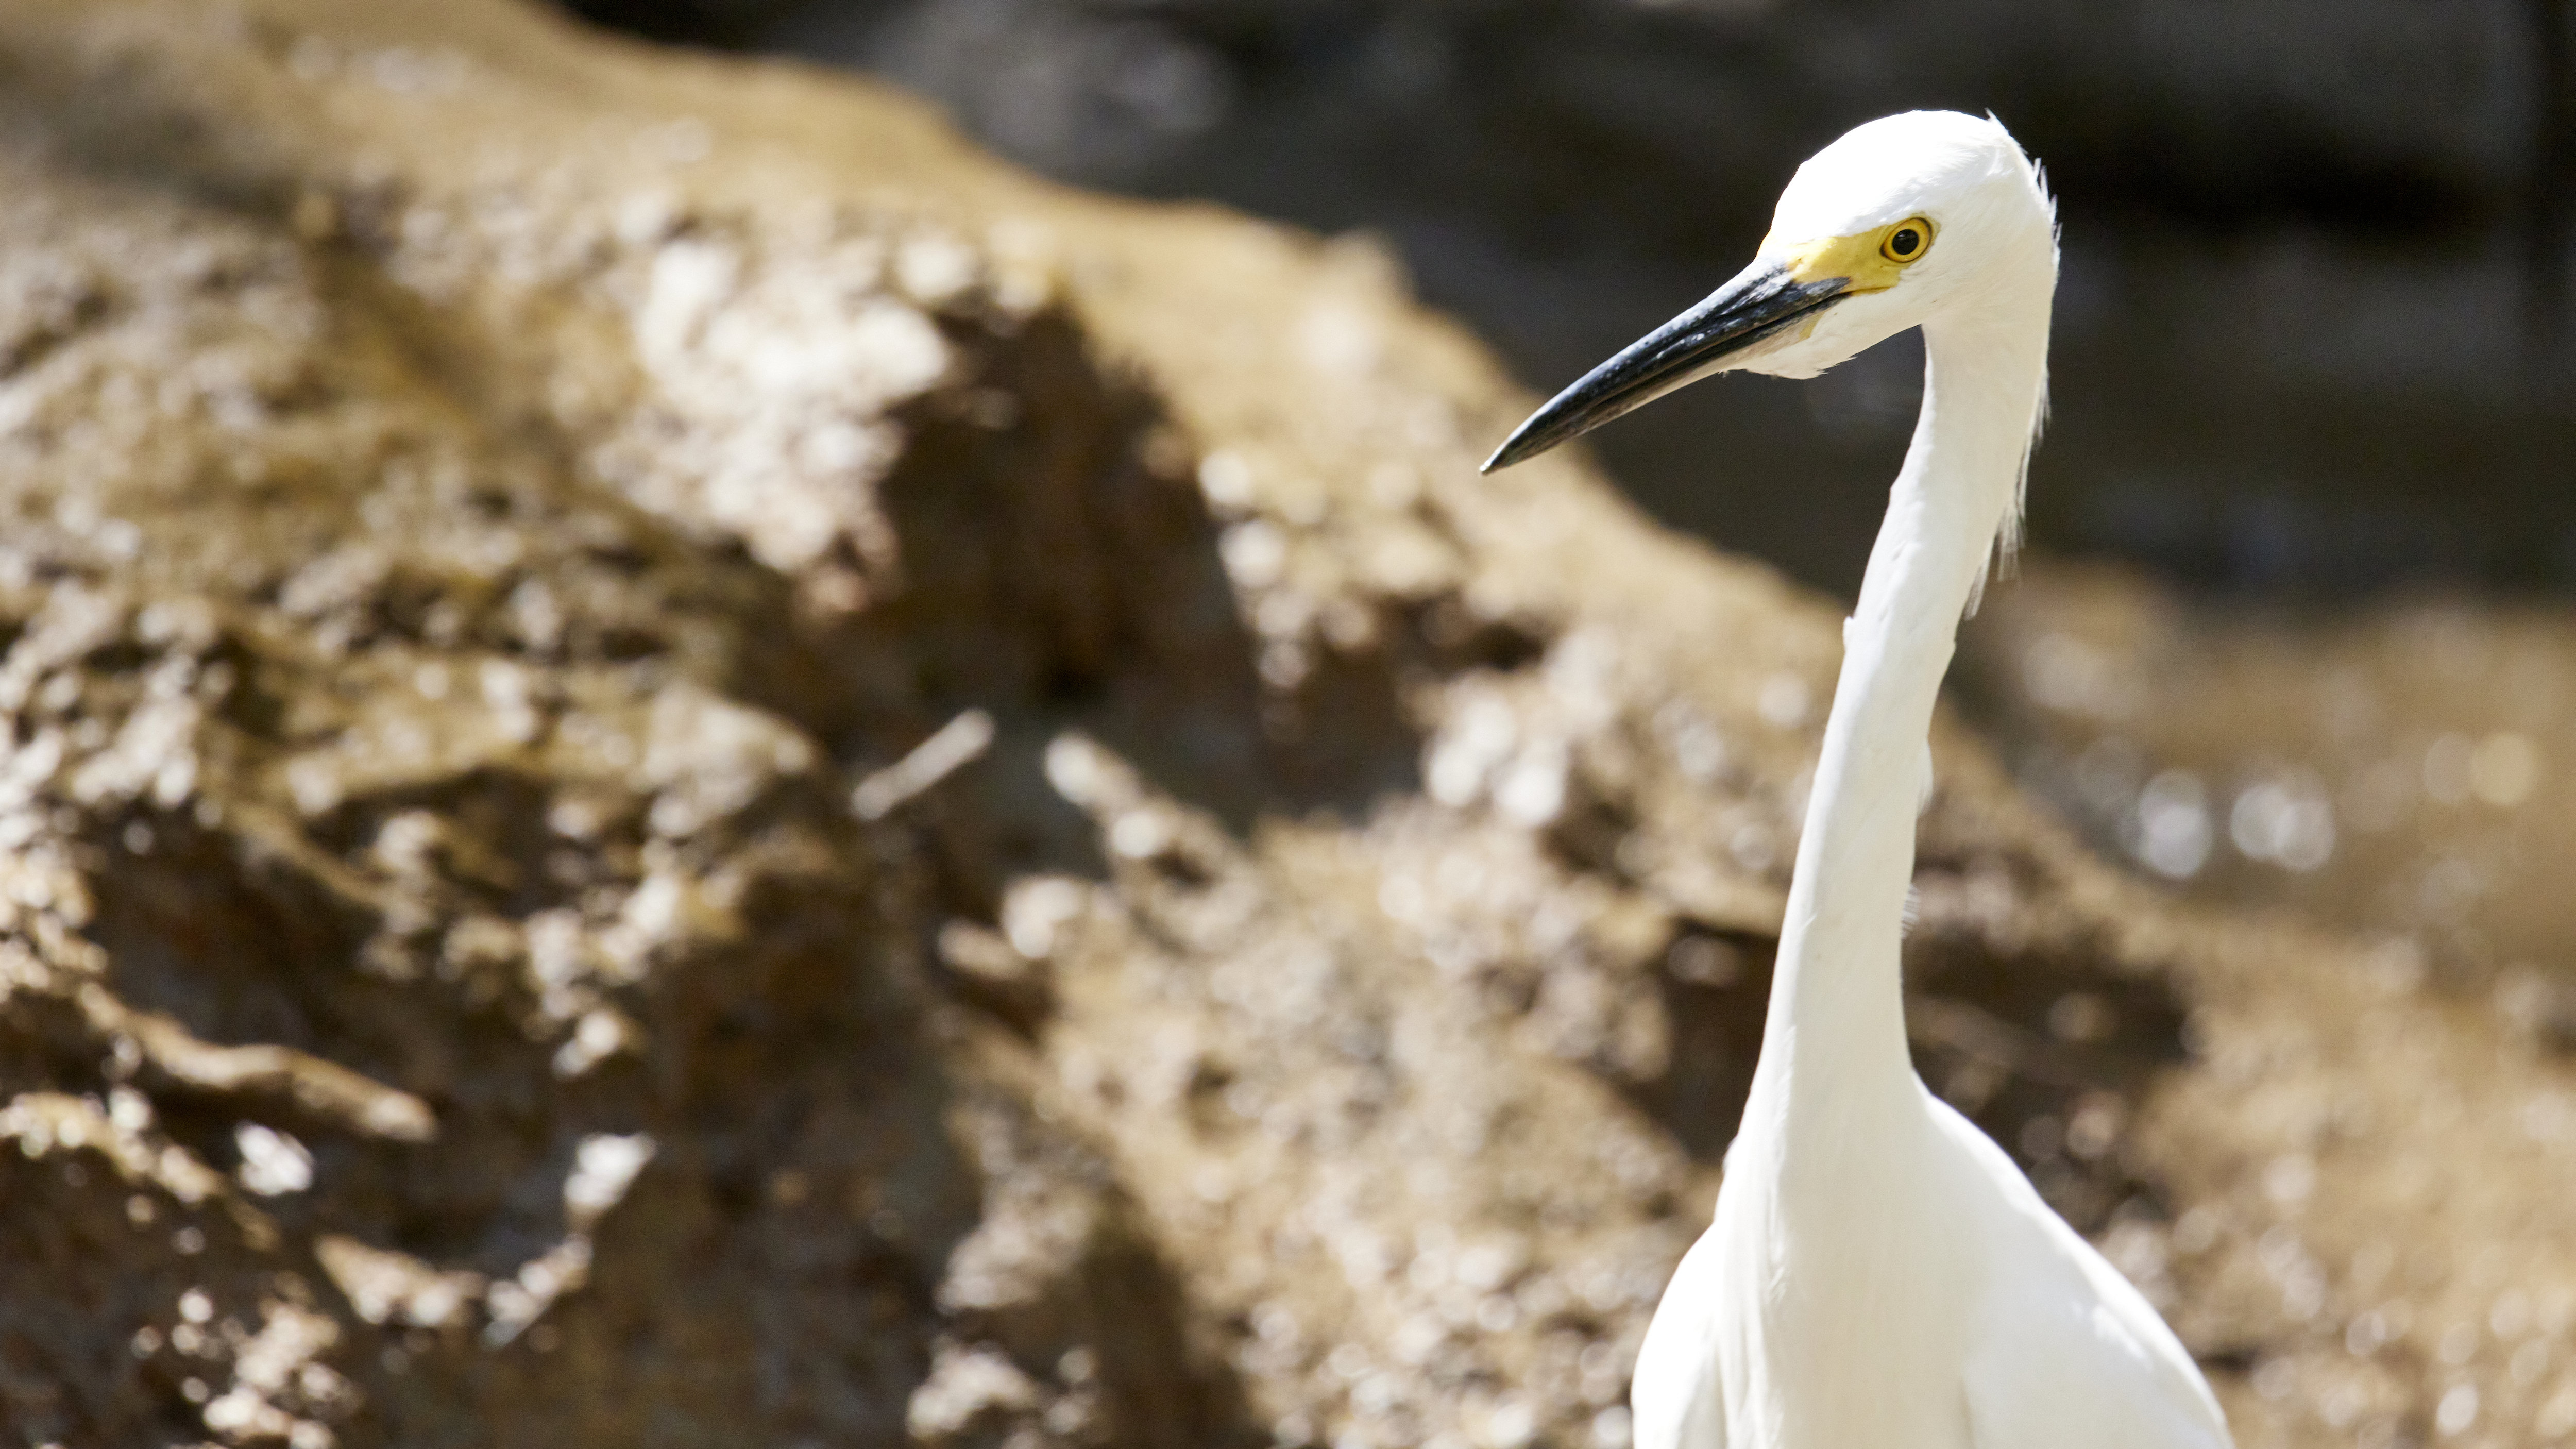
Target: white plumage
1879, 1274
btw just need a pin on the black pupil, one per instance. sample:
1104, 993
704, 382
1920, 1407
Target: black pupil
1905, 242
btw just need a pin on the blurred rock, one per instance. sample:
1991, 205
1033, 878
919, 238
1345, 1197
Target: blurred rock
501, 941
2403, 772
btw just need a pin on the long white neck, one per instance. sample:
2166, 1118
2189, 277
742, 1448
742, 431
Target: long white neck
1835, 1043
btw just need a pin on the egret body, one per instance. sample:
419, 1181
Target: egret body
1879, 1275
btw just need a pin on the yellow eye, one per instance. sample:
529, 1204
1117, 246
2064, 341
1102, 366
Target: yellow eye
1907, 241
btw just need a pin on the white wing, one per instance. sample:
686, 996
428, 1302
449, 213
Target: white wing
2063, 1349
1677, 1397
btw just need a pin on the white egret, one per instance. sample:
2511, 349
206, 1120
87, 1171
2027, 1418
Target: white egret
1879, 1275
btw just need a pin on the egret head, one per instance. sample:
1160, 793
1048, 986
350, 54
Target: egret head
1920, 220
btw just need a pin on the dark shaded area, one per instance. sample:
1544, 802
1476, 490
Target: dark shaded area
1716, 986
697, 22
1060, 567
2553, 175
2314, 259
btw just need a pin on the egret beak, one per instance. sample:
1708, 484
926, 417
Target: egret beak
1757, 305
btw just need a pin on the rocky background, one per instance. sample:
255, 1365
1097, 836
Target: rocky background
685, 766
2314, 333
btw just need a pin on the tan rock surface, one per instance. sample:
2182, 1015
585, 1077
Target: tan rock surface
685, 767
2405, 768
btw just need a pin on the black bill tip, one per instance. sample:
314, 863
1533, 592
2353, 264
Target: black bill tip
1537, 433
1576, 410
